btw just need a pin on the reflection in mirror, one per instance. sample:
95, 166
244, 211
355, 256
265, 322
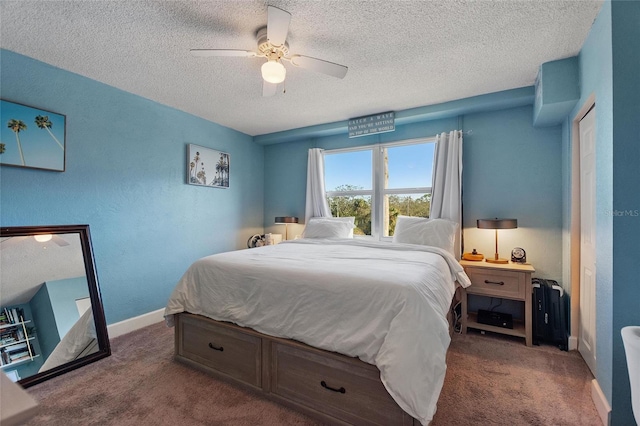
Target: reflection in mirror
51, 315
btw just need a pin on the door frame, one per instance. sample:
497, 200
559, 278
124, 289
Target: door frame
574, 271
599, 399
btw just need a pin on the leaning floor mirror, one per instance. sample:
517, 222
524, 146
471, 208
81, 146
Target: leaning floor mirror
51, 315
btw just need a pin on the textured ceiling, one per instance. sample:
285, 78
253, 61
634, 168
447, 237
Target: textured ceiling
26, 264
400, 54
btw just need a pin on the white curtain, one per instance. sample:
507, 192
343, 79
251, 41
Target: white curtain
317, 205
446, 191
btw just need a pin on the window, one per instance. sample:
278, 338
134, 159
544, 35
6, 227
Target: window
377, 183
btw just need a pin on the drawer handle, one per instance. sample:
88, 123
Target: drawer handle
217, 348
324, 385
494, 282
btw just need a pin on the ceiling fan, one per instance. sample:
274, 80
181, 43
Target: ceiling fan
272, 45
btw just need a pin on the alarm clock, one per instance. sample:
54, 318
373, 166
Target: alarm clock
518, 255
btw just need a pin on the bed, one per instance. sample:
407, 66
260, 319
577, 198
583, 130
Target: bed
79, 341
348, 330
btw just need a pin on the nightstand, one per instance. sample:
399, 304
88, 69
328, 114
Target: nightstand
505, 281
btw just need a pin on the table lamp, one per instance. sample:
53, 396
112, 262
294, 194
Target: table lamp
497, 224
286, 220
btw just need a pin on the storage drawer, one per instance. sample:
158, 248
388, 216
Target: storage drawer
226, 350
347, 390
497, 283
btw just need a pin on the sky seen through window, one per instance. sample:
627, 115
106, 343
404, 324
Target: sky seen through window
410, 166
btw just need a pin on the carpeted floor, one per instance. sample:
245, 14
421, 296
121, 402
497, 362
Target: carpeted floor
497, 380
491, 380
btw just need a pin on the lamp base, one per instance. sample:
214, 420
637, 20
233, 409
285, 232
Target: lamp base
497, 260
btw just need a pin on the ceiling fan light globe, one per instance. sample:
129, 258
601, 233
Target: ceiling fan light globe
273, 72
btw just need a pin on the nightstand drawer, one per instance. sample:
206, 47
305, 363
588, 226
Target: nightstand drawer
496, 283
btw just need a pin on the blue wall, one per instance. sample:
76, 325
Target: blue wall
126, 177
44, 321
609, 61
625, 18
63, 295
596, 77
510, 168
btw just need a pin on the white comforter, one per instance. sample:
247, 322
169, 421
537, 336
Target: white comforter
381, 302
80, 337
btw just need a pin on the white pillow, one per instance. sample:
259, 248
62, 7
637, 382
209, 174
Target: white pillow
427, 232
329, 227
347, 219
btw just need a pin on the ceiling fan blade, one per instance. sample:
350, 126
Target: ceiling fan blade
10, 241
268, 89
60, 241
222, 52
318, 65
277, 25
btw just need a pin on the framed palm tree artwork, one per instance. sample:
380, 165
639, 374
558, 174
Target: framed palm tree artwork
207, 167
32, 137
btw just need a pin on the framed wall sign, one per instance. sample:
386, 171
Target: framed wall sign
372, 124
207, 167
32, 137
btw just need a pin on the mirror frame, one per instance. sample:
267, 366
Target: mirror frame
104, 347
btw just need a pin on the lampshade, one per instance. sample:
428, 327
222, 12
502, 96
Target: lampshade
273, 72
497, 223
286, 219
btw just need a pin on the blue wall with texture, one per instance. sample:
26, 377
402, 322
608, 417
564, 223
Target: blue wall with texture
126, 177
625, 18
510, 168
608, 61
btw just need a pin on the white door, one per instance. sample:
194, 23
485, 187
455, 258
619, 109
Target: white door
587, 339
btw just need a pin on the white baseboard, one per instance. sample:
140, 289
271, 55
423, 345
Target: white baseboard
602, 405
573, 343
135, 323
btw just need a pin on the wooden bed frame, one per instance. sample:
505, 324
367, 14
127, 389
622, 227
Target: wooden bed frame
328, 386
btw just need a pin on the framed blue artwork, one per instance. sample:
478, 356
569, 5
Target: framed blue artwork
32, 137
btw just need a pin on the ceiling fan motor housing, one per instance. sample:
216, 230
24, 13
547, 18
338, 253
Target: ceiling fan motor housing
269, 50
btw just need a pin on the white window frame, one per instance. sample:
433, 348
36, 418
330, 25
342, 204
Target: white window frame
378, 191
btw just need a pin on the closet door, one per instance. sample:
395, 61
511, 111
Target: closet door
587, 338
